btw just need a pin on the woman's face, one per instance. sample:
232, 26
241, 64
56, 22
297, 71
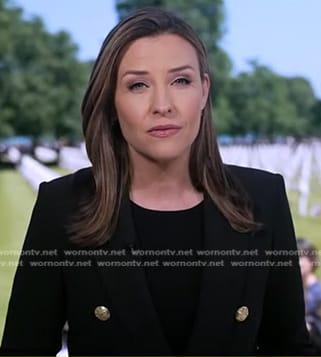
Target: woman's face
306, 266
159, 98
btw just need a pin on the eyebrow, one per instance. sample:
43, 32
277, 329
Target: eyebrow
181, 68
172, 70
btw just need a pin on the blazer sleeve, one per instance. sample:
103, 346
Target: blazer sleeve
283, 329
35, 314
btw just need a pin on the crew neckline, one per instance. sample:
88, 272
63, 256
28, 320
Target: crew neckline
151, 210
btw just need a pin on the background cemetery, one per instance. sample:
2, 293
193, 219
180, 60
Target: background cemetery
264, 120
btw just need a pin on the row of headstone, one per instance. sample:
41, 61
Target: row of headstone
298, 164
35, 172
73, 159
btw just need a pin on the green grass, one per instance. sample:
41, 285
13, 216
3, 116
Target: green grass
16, 202
60, 170
308, 227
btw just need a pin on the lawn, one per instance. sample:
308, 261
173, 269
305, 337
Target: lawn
309, 226
16, 201
60, 170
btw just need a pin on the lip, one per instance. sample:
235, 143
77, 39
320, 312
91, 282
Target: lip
164, 131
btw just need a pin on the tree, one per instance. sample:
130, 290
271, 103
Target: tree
316, 119
301, 95
41, 80
263, 102
124, 7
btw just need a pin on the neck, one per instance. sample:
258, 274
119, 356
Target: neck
164, 186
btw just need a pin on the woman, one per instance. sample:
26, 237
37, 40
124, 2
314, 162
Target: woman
157, 186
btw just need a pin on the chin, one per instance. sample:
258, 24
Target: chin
167, 156
162, 153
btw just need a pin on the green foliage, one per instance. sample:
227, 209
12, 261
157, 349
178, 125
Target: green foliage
124, 7
316, 118
269, 104
41, 80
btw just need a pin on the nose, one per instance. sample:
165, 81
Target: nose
162, 103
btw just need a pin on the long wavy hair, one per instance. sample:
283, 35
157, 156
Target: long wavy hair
108, 151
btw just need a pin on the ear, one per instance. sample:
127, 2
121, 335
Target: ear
206, 84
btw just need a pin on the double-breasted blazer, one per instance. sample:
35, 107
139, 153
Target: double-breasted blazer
251, 305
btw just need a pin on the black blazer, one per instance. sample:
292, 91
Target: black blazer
44, 298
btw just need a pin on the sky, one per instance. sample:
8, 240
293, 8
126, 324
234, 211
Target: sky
284, 35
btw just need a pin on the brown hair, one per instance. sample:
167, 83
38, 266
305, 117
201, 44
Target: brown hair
308, 250
107, 148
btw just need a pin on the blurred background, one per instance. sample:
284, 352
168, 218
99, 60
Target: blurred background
266, 63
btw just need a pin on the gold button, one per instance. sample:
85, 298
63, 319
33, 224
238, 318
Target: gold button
102, 313
242, 313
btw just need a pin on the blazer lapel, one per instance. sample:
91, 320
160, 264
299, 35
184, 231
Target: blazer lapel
222, 285
221, 294
128, 291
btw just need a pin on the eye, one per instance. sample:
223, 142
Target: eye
182, 81
137, 86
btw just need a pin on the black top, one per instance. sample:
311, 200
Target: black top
172, 236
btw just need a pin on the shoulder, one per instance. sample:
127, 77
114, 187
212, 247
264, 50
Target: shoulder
252, 176
255, 181
78, 180
266, 190
67, 189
